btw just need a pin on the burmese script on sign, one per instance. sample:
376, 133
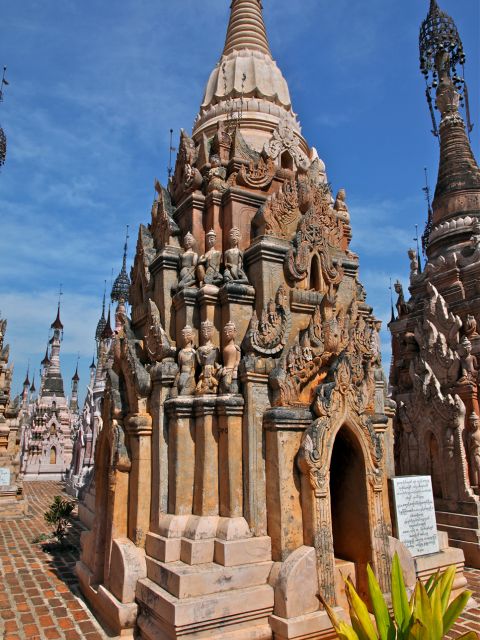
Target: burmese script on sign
415, 514
4, 477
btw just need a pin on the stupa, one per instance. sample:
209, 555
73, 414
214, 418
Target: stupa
243, 462
435, 340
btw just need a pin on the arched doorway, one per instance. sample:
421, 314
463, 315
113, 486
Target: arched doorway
434, 464
315, 274
350, 513
53, 456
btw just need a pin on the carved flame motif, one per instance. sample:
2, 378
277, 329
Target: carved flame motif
268, 337
281, 212
164, 229
156, 340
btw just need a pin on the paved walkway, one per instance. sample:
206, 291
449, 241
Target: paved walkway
39, 597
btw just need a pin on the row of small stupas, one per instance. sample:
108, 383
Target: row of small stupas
247, 435
435, 341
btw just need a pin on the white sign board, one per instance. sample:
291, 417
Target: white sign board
4, 477
415, 514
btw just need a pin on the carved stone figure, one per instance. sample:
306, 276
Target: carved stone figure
234, 260
470, 326
228, 374
341, 207
188, 264
185, 378
412, 254
473, 445
468, 363
207, 358
402, 305
209, 265
217, 175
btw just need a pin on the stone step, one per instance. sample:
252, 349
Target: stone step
461, 533
207, 615
189, 581
466, 521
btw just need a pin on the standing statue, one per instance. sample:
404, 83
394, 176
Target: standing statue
185, 379
473, 444
207, 358
412, 254
188, 263
208, 267
468, 363
234, 260
231, 359
217, 175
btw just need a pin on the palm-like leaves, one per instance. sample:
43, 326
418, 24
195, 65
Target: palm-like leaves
58, 516
426, 616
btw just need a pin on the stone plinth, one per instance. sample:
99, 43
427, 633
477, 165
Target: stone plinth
181, 458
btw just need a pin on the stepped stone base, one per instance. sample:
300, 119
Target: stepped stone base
463, 531
12, 503
312, 626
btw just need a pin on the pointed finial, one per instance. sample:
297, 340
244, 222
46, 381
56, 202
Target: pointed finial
246, 28
26, 382
392, 311
417, 240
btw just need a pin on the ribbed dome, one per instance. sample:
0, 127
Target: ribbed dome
246, 29
251, 73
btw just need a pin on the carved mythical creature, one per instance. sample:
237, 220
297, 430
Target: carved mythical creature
279, 215
284, 140
268, 337
234, 260
207, 357
3, 330
184, 384
157, 344
188, 264
470, 326
186, 176
228, 374
403, 308
209, 265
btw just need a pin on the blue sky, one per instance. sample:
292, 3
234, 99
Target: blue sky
95, 87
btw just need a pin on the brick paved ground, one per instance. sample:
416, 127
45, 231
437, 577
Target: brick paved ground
39, 597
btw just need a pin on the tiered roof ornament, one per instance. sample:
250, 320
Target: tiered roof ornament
102, 322
3, 137
121, 286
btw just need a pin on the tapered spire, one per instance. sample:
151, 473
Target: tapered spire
246, 28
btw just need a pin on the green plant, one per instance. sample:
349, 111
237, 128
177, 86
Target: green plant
426, 616
58, 515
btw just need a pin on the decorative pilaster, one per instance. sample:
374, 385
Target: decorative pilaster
206, 499
181, 454
139, 429
230, 413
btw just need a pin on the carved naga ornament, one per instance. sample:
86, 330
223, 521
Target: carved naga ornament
268, 337
157, 344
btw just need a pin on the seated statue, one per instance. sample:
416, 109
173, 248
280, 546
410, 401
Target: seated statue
231, 359
468, 363
234, 260
207, 358
208, 267
188, 264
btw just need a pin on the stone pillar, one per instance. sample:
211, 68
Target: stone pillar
139, 429
186, 311
230, 412
205, 499
284, 428
237, 302
264, 261
189, 217
255, 387
164, 270
163, 375
181, 454
213, 204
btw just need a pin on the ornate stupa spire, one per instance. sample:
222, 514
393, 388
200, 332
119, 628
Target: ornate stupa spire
102, 322
246, 28
246, 86
53, 381
75, 381
121, 286
456, 204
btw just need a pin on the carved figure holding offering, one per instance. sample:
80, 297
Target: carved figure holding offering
402, 305
231, 360
207, 357
412, 254
473, 443
468, 363
208, 268
188, 264
185, 378
216, 175
234, 260
470, 326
